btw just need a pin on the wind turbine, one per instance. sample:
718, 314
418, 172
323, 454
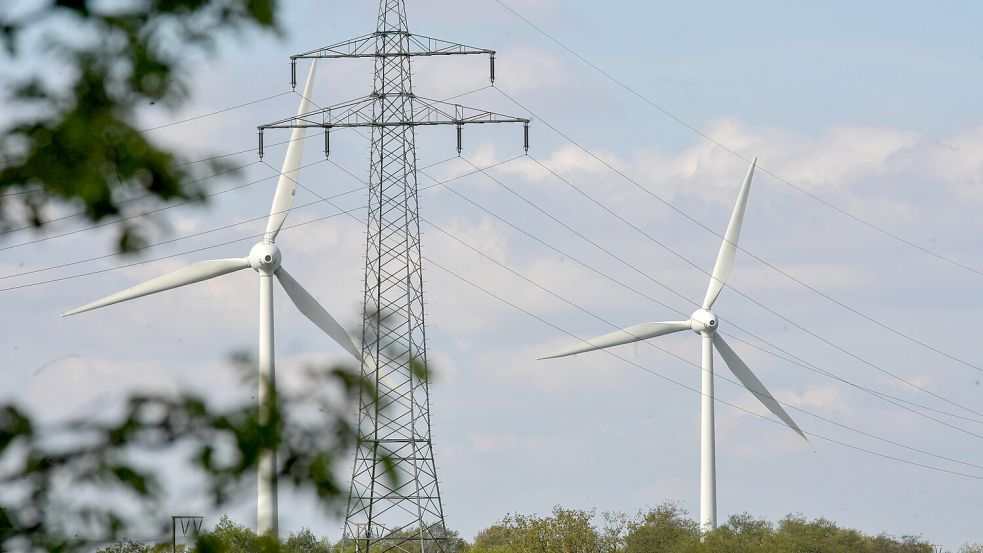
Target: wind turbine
265, 259
705, 323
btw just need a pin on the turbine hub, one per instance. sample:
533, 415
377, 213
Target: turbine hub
703, 320
265, 258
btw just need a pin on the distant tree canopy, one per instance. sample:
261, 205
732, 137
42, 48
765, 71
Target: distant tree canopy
665, 529
669, 529
86, 67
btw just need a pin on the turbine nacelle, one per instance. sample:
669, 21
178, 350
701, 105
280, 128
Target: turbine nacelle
265, 258
703, 320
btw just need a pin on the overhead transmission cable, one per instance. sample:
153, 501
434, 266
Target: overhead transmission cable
879, 395
170, 256
832, 440
691, 363
142, 214
134, 199
768, 264
792, 358
671, 290
736, 290
144, 196
733, 152
171, 124
251, 237
262, 217
216, 112
692, 389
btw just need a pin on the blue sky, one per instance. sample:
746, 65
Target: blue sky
872, 107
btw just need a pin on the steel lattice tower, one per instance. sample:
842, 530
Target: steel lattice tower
383, 515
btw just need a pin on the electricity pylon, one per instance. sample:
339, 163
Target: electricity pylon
394, 427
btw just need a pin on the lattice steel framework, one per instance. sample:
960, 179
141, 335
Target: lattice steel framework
404, 514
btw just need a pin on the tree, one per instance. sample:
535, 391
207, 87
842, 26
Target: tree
125, 547
306, 542
566, 531
75, 143
494, 539
56, 489
665, 528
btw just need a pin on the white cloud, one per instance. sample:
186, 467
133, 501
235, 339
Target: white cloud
827, 399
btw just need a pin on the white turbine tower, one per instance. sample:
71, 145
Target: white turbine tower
265, 259
703, 322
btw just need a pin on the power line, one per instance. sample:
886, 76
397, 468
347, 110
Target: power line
138, 215
145, 261
516, 273
671, 290
793, 359
735, 383
791, 277
195, 118
689, 362
204, 115
251, 237
879, 395
809, 366
129, 200
164, 242
719, 144
211, 230
144, 196
230, 170
680, 384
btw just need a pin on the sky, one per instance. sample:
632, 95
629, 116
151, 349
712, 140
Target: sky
868, 129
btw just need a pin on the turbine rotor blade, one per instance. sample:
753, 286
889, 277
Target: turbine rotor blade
286, 187
751, 382
634, 333
196, 272
728, 249
317, 314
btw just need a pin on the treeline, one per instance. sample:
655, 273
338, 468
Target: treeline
665, 529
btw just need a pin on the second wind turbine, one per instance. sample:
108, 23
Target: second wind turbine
705, 323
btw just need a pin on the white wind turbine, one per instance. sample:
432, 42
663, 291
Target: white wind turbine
264, 258
703, 322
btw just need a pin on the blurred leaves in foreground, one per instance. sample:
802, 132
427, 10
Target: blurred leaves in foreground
82, 69
97, 479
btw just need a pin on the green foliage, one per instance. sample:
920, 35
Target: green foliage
75, 142
565, 531
223, 445
494, 539
306, 542
665, 528
669, 529
229, 536
125, 547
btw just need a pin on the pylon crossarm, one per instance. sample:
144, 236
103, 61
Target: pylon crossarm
436, 112
361, 112
419, 45
362, 46
365, 46
358, 113
359, 109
